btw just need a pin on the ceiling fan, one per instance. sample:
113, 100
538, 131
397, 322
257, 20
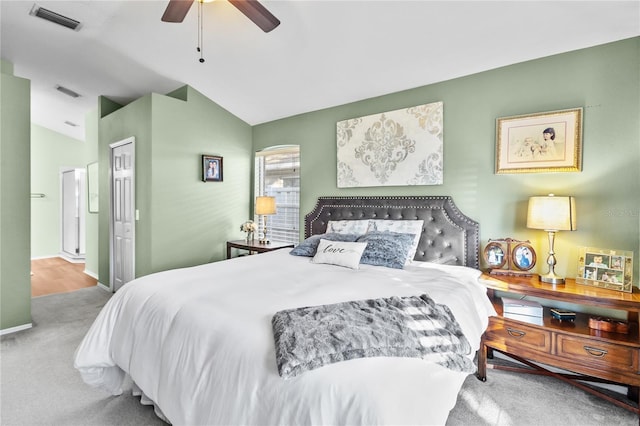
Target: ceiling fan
252, 9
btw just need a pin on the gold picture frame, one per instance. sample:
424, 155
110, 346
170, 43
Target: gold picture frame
605, 268
539, 143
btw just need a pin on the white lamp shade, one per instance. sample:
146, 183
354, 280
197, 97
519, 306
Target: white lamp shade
265, 205
552, 213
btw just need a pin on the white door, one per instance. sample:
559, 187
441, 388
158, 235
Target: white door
122, 213
72, 213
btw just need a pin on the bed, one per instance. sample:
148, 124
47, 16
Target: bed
201, 344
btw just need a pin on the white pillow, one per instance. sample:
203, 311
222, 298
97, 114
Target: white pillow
402, 227
358, 227
340, 253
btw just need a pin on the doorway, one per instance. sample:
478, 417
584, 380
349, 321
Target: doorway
65, 271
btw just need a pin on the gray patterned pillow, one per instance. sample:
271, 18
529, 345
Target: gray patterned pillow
388, 249
309, 246
401, 226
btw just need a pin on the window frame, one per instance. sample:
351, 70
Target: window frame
284, 226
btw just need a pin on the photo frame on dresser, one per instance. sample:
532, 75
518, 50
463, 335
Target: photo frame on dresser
605, 268
508, 256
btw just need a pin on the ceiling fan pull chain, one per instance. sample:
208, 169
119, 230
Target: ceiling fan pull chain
200, 47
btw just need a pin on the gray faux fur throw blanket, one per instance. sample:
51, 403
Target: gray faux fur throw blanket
310, 337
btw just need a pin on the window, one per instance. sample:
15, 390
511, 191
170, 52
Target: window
277, 174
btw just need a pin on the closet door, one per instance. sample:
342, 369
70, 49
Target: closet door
122, 213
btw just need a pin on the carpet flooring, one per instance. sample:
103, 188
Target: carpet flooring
39, 386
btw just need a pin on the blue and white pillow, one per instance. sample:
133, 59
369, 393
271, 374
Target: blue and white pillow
357, 227
339, 253
413, 227
388, 249
309, 246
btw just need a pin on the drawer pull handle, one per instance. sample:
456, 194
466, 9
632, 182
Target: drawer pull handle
515, 333
599, 353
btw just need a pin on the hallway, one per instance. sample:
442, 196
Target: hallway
57, 275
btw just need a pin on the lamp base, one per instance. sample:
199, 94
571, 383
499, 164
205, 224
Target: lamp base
551, 278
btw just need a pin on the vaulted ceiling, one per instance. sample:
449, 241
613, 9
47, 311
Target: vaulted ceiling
324, 53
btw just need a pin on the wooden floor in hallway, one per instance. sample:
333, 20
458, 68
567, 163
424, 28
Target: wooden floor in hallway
57, 275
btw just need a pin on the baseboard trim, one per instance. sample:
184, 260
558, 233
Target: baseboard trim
72, 259
62, 256
91, 274
44, 257
15, 329
104, 287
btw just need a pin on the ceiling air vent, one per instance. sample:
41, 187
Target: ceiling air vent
54, 17
67, 92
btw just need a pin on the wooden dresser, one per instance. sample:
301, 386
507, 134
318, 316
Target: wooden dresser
569, 345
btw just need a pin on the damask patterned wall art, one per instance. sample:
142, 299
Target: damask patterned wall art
395, 148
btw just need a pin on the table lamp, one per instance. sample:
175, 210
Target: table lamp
265, 206
552, 214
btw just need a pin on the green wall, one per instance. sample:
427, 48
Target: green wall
604, 80
51, 152
15, 200
182, 220
203, 215
131, 120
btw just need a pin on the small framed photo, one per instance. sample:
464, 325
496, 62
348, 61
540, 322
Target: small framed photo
509, 257
211, 168
605, 268
495, 254
540, 143
524, 257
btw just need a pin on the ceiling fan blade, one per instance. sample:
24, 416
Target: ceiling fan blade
257, 13
176, 10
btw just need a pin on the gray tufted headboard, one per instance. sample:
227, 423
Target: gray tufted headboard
447, 234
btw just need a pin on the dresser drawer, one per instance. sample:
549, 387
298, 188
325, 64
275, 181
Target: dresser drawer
595, 353
513, 334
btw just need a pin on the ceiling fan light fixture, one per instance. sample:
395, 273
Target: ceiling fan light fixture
177, 10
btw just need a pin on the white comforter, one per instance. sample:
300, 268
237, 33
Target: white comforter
198, 342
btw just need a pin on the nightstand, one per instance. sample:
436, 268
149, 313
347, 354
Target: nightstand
255, 246
593, 355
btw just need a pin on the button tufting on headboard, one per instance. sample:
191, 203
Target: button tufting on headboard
447, 233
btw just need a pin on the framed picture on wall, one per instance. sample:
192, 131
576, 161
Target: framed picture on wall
211, 168
540, 143
92, 187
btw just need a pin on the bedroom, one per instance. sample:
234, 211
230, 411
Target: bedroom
601, 79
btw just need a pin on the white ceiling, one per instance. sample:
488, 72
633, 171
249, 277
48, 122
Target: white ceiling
325, 53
